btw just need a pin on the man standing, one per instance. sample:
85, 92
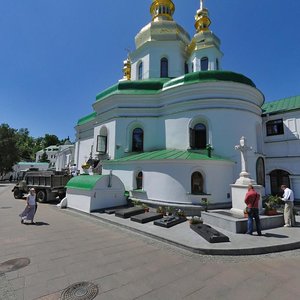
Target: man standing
288, 198
252, 201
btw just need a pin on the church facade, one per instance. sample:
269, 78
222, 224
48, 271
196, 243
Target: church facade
169, 128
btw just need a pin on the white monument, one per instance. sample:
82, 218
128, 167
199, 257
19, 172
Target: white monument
240, 187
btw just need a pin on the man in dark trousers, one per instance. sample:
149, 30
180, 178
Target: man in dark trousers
252, 201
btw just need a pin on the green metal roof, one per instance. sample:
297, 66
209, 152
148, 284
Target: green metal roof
87, 118
204, 76
134, 87
83, 182
168, 155
156, 85
32, 163
283, 105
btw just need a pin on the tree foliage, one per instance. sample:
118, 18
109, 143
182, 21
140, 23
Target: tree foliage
8, 148
18, 145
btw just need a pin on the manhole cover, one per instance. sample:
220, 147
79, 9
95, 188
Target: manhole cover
80, 291
14, 264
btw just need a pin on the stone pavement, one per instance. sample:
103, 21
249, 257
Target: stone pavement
66, 247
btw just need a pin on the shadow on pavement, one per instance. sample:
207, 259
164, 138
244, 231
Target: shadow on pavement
280, 236
37, 223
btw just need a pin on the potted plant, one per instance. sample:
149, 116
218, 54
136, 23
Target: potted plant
271, 204
169, 211
161, 210
205, 203
145, 207
195, 220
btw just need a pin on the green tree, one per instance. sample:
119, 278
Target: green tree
44, 157
9, 153
51, 139
25, 145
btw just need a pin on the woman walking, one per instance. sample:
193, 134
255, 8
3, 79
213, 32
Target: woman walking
29, 211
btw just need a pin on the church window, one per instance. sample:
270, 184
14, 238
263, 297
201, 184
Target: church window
217, 64
198, 136
102, 141
139, 181
204, 64
137, 140
186, 68
102, 144
197, 183
164, 68
275, 127
164, 10
278, 178
140, 72
260, 171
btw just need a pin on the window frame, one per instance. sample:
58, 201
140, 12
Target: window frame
98, 148
275, 127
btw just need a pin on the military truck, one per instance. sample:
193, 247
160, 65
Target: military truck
48, 185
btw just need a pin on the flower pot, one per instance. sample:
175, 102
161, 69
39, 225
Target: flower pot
271, 212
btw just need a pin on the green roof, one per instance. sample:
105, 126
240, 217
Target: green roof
87, 118
205, 76
168, 155
32, 163
283, 105
156, 85
134, 87
83, 182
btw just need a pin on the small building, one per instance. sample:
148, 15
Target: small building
89, 193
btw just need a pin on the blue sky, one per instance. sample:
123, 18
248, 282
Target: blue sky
57, 55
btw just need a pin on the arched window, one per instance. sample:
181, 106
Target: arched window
102, 141
139, 181
186, 68
140, 71
278, 178
197, 183
198, 136
164, 68
138, 140
260, 171
204, 64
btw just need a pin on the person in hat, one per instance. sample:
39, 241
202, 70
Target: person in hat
29, 211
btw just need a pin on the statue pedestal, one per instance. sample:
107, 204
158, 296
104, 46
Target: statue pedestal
238, 193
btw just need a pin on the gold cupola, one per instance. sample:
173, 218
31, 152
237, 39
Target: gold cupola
202, 18
162, 10
127, 69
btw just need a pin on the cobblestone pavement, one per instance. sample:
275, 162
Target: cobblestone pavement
65, 247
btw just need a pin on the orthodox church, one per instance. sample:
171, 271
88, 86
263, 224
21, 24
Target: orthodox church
169, 128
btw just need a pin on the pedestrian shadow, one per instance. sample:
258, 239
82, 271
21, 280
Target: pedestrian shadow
275, 235
37, 224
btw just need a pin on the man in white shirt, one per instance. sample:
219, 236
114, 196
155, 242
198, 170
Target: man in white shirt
288, 198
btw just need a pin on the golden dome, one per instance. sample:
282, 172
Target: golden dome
162, 9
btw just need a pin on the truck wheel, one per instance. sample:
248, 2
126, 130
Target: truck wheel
17, 194
41, 196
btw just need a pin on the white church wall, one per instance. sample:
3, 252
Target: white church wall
111, 136
84, 150
154, 134
172, 50
171, 181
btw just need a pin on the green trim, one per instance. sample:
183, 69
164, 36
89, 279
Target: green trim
168, 155
282, 105
136, 87
32, 163
87, 118
156, 85
83, 182
205, 76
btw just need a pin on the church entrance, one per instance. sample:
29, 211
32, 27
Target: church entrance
277, 178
